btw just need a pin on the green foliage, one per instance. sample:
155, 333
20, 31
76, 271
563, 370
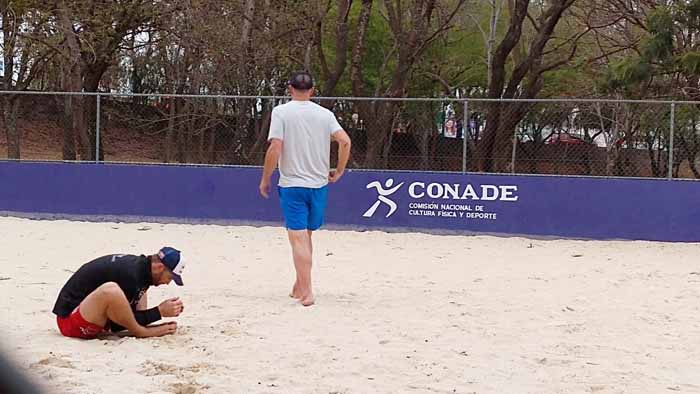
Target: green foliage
690, 63
624, 74
657, 58
566, 82
208, 33
659, 46
689, 14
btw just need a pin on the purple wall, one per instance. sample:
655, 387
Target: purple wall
526, 205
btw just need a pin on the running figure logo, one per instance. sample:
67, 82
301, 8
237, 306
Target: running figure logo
382, 198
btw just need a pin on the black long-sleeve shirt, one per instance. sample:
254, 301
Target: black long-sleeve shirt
131, 273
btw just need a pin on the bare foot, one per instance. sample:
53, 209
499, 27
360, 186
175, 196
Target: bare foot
295, 293
307, 300
159, 330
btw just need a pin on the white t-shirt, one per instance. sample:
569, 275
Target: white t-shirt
305, 129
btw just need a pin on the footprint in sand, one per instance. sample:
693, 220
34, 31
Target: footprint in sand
152, 368
46, 367
230, 328
187, 388
53, 360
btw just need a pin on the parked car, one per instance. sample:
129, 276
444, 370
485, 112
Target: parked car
565, 139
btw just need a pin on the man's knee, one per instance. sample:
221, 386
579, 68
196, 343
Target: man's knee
94, 308
298, 235
110, 290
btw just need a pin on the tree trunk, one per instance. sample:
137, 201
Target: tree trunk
692, 154
692, 149
387, 145
693, 167
170, 132
375, 144
332, 76
485, 146
654, 156
181, 140
534, 157
211, 152
69, 152
424, 132
9, 117
243, 109
612, 156
10, 110
255, 155
181, 137
72, 82
503, 149
376, 130
85, 145
496, 6
248, 15
90, 127
91, 83
492, 151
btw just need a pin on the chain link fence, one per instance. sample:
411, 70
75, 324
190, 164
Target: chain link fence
561, 137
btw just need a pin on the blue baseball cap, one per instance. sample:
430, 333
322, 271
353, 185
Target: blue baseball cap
171, 258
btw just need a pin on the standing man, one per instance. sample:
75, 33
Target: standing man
109, 294
300, 141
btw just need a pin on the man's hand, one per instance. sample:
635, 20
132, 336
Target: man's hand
171, 307
265, 187
334, 176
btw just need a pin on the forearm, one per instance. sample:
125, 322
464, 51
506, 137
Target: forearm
343, 156
144, 318
271, 158
148, 316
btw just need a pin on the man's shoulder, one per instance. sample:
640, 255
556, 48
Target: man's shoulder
281, 107
120, 257
105, 264
115, 258
295, 104
320, 108
324, 110
321, 113
125, 265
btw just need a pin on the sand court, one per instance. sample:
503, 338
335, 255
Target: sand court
395, 313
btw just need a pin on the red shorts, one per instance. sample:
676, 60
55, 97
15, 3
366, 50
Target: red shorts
75, 326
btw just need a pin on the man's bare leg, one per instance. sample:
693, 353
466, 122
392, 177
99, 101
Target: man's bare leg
295, 289
301, 252
311, 246
108, 302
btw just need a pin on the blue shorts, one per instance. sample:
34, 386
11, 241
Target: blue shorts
303, 207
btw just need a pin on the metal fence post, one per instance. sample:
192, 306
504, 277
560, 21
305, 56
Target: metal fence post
97, 129
465, 135
670, 143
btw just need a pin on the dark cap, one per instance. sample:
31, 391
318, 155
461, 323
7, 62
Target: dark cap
301, 80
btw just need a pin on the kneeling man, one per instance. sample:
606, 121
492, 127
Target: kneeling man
109, 294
